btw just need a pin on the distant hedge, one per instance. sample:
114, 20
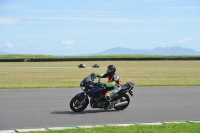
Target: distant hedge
97, 59
107, 59
12, 60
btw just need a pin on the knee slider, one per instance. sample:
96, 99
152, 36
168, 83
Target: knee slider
107, 96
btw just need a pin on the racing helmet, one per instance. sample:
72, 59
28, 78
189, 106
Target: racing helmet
111, 69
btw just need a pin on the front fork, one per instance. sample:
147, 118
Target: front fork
83, 96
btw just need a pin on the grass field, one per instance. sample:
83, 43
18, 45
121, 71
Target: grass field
66, 74
165, 128
28, 56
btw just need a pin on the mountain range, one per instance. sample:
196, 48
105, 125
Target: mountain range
177, 50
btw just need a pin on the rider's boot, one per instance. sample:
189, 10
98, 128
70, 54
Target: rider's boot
107, 106
108, 99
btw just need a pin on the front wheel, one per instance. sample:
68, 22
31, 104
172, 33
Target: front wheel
122, 98
78, 104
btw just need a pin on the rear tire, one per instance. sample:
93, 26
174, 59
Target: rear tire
77, 106
122, 98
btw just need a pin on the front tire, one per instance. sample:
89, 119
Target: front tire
121, 98
78, 105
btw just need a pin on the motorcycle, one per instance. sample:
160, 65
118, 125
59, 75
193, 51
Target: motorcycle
94, 93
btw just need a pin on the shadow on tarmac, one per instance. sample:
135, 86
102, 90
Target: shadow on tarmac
83, 112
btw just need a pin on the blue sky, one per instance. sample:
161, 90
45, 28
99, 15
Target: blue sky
75, 27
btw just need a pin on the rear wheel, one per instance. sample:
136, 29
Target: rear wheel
123, 98
77, 104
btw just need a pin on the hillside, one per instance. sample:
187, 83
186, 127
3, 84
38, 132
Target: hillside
156, 51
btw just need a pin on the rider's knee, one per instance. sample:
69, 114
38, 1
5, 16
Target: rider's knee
107, 96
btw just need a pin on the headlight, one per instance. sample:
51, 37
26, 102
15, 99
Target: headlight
83, 88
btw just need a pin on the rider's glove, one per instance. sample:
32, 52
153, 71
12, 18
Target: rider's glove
98, 75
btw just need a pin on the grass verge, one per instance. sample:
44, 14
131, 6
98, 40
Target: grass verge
164, 128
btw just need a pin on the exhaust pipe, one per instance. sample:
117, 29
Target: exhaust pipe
121, 104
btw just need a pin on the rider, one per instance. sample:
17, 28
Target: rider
113, 85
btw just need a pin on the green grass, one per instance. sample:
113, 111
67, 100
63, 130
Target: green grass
165, 128
62, 75
27, 56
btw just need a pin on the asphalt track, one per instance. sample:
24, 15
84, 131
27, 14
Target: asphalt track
43, 108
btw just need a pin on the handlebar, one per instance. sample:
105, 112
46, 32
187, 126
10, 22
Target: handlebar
99, 79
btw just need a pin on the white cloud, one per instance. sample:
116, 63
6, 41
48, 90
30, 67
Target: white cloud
185, 40
110, 19
13, 45
161, 43
91, 19
20, 44
68, 42
9, 45
70, 48
8, 21
181, 7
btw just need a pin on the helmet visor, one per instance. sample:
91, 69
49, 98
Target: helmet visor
109, 70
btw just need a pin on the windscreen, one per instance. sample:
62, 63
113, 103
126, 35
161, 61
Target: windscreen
88, 78
91, 77
88, 81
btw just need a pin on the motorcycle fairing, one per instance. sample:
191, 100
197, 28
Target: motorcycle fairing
94, 91
82, 95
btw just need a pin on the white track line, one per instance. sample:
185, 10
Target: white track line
61, 128
7, 131
158, 123
29, 130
